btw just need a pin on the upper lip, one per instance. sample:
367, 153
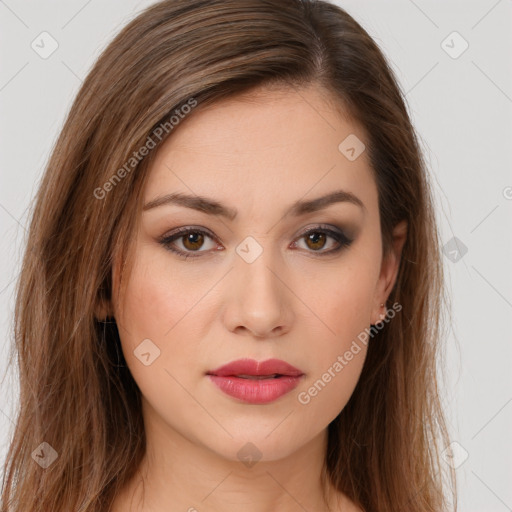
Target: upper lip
253, 367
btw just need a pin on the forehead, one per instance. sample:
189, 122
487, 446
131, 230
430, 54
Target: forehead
260, 147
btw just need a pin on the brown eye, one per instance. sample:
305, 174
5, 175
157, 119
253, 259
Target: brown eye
323, 240
193, 240
316, 240
186, 241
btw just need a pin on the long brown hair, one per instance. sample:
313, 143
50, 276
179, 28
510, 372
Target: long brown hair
76, 393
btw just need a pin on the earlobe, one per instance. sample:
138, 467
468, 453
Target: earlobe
102, 310
381, 315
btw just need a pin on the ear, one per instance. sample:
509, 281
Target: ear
103, 309
388, 272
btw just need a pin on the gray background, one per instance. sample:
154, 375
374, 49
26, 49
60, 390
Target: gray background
461, 108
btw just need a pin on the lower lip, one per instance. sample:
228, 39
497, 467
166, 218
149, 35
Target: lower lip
255, 391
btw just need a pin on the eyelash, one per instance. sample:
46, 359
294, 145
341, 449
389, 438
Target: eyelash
339, 237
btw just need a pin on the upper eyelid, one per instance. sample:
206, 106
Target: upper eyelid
193, 229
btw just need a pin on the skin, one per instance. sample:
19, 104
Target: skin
291, 303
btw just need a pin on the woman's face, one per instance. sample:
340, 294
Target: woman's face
254, 284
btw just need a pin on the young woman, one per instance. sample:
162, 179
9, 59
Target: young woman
232, 291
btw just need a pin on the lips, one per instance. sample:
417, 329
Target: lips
256, 382
250, 368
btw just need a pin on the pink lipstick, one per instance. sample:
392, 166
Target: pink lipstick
256, 382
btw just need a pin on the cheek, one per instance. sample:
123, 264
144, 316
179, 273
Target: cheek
156, 317
349, 304
343, 300
345, 309
325, 394
338, 358
158, 297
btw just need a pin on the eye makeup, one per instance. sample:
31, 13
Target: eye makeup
191, 236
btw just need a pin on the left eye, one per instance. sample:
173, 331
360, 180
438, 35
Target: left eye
193, 239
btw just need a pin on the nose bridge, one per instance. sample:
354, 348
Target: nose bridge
253, 268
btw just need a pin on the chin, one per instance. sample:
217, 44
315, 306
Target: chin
256, 445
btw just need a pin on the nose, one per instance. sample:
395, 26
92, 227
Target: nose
258, 301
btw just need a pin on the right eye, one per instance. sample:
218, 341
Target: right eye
192, 239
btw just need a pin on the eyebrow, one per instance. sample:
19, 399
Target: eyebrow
212, 207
